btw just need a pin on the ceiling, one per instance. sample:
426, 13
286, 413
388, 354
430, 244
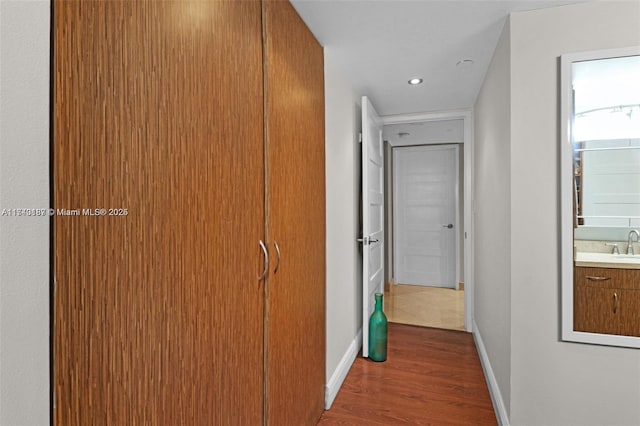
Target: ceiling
425, 132
380, 45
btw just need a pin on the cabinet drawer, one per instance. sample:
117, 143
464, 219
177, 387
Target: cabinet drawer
607, 277
599, 277
632, 279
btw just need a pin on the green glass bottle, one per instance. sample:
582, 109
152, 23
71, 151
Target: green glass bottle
378, 332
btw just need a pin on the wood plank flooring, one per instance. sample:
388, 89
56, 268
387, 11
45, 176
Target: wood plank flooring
431, 377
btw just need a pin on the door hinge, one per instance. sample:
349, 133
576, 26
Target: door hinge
360, 137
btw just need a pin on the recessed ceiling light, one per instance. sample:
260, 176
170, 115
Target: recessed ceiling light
415, 81
464, 63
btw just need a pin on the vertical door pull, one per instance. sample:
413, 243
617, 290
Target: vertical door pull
275, 243
615, 302
266, 261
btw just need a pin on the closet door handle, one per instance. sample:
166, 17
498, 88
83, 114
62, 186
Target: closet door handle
615, 302
266, 261
275, 243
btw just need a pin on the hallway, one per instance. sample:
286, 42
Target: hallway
431, 376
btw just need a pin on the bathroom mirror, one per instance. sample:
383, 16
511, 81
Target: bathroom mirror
600, 196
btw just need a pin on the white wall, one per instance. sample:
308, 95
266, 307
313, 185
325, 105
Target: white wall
344, 263
554, 382
492, 244
24, 241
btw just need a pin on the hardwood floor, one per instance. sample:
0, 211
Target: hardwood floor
431, 377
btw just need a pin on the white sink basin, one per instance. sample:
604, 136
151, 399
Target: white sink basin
607, 260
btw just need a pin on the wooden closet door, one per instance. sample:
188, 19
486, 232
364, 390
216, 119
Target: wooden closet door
158, 109
296, 219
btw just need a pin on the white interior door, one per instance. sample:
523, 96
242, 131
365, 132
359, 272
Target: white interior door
373, 215
425, 215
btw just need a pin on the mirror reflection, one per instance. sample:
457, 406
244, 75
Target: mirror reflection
605, 133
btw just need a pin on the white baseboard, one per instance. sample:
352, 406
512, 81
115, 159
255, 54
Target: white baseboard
341, 371
494, 390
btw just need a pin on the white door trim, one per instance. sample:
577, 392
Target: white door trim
467, 116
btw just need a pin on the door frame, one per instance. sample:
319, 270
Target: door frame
467, 117
395, 207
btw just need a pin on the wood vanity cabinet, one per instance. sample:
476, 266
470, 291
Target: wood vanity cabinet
607, 301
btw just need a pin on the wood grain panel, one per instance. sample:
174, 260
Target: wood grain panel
594, 301
593, 310
296, 218
431, 377
630, 312
158, 109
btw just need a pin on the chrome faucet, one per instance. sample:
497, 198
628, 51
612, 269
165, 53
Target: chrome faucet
630, 241
615, 247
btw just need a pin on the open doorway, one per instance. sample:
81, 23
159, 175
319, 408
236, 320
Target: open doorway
426, 167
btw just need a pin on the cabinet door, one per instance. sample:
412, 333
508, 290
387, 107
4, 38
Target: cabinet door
158, 311
630, 312
596, 310
296, 219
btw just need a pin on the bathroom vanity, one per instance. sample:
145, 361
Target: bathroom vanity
606, 299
